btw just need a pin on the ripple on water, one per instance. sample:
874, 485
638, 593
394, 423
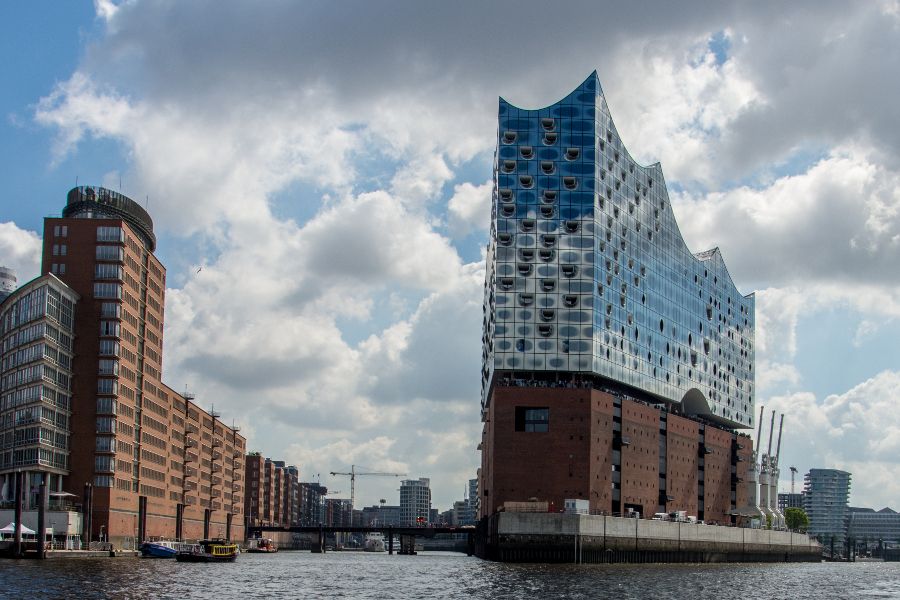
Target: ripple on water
436, 575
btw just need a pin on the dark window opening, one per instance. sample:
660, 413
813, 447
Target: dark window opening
532, 420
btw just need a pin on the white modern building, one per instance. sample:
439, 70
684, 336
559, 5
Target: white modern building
826, 493
415, 501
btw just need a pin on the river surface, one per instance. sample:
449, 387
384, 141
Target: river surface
436, 575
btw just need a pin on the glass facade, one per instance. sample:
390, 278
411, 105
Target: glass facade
36, 335
587, 271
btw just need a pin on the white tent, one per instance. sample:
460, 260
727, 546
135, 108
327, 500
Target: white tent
11, 529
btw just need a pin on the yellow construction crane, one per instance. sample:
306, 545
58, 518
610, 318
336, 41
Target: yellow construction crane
353, 474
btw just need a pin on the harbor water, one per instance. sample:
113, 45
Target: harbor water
436, 575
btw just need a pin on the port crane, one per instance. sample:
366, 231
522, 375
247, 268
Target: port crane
353, 474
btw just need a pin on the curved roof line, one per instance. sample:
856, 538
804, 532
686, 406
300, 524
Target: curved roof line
655, 167
588, 78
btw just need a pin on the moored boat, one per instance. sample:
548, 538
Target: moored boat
212, 550
374, 542
161, 548
262, 546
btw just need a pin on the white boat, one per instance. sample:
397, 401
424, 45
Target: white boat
374, 542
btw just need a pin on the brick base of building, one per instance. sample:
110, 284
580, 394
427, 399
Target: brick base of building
618, 453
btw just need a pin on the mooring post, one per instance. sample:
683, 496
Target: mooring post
391, 539
20, 493
42, 518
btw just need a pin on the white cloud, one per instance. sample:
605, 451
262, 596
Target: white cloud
371, 108
469, 209
858, 431
20, 250
837, 222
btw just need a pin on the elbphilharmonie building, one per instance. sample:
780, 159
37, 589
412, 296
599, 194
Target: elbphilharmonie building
590, 288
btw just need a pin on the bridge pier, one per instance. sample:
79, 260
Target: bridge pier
318, 545
408, 545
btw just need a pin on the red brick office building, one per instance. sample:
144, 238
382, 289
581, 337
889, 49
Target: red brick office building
147, 460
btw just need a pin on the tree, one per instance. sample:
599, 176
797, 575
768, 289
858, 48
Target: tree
796, 519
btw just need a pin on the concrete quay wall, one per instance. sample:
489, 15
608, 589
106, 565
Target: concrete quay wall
549, 537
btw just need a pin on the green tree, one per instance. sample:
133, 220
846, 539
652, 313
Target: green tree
796, 519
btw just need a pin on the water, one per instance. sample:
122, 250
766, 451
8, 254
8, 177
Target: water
436, 575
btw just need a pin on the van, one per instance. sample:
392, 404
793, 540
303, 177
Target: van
660, 517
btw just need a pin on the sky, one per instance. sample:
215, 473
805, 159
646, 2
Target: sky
319, 178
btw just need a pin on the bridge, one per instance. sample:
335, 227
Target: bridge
389, 531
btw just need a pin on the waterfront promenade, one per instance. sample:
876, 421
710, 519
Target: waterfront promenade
550, 537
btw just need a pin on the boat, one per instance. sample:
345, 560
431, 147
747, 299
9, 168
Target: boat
261, 546
374, 542
161, 548
212, 550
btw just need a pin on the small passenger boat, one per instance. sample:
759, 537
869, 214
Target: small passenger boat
212, 550
162, 548
261, 545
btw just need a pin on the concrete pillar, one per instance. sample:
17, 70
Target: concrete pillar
228, 526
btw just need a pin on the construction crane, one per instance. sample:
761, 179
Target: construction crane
353, 474
793, 472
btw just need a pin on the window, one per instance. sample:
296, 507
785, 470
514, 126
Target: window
532, 420
106, 425
107, 271
116, 253
110, 234
111, 310
110, 328
108, 290
108, 366
104, 481
107, 386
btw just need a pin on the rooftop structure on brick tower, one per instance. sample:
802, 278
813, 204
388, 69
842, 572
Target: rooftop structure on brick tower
603, 333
